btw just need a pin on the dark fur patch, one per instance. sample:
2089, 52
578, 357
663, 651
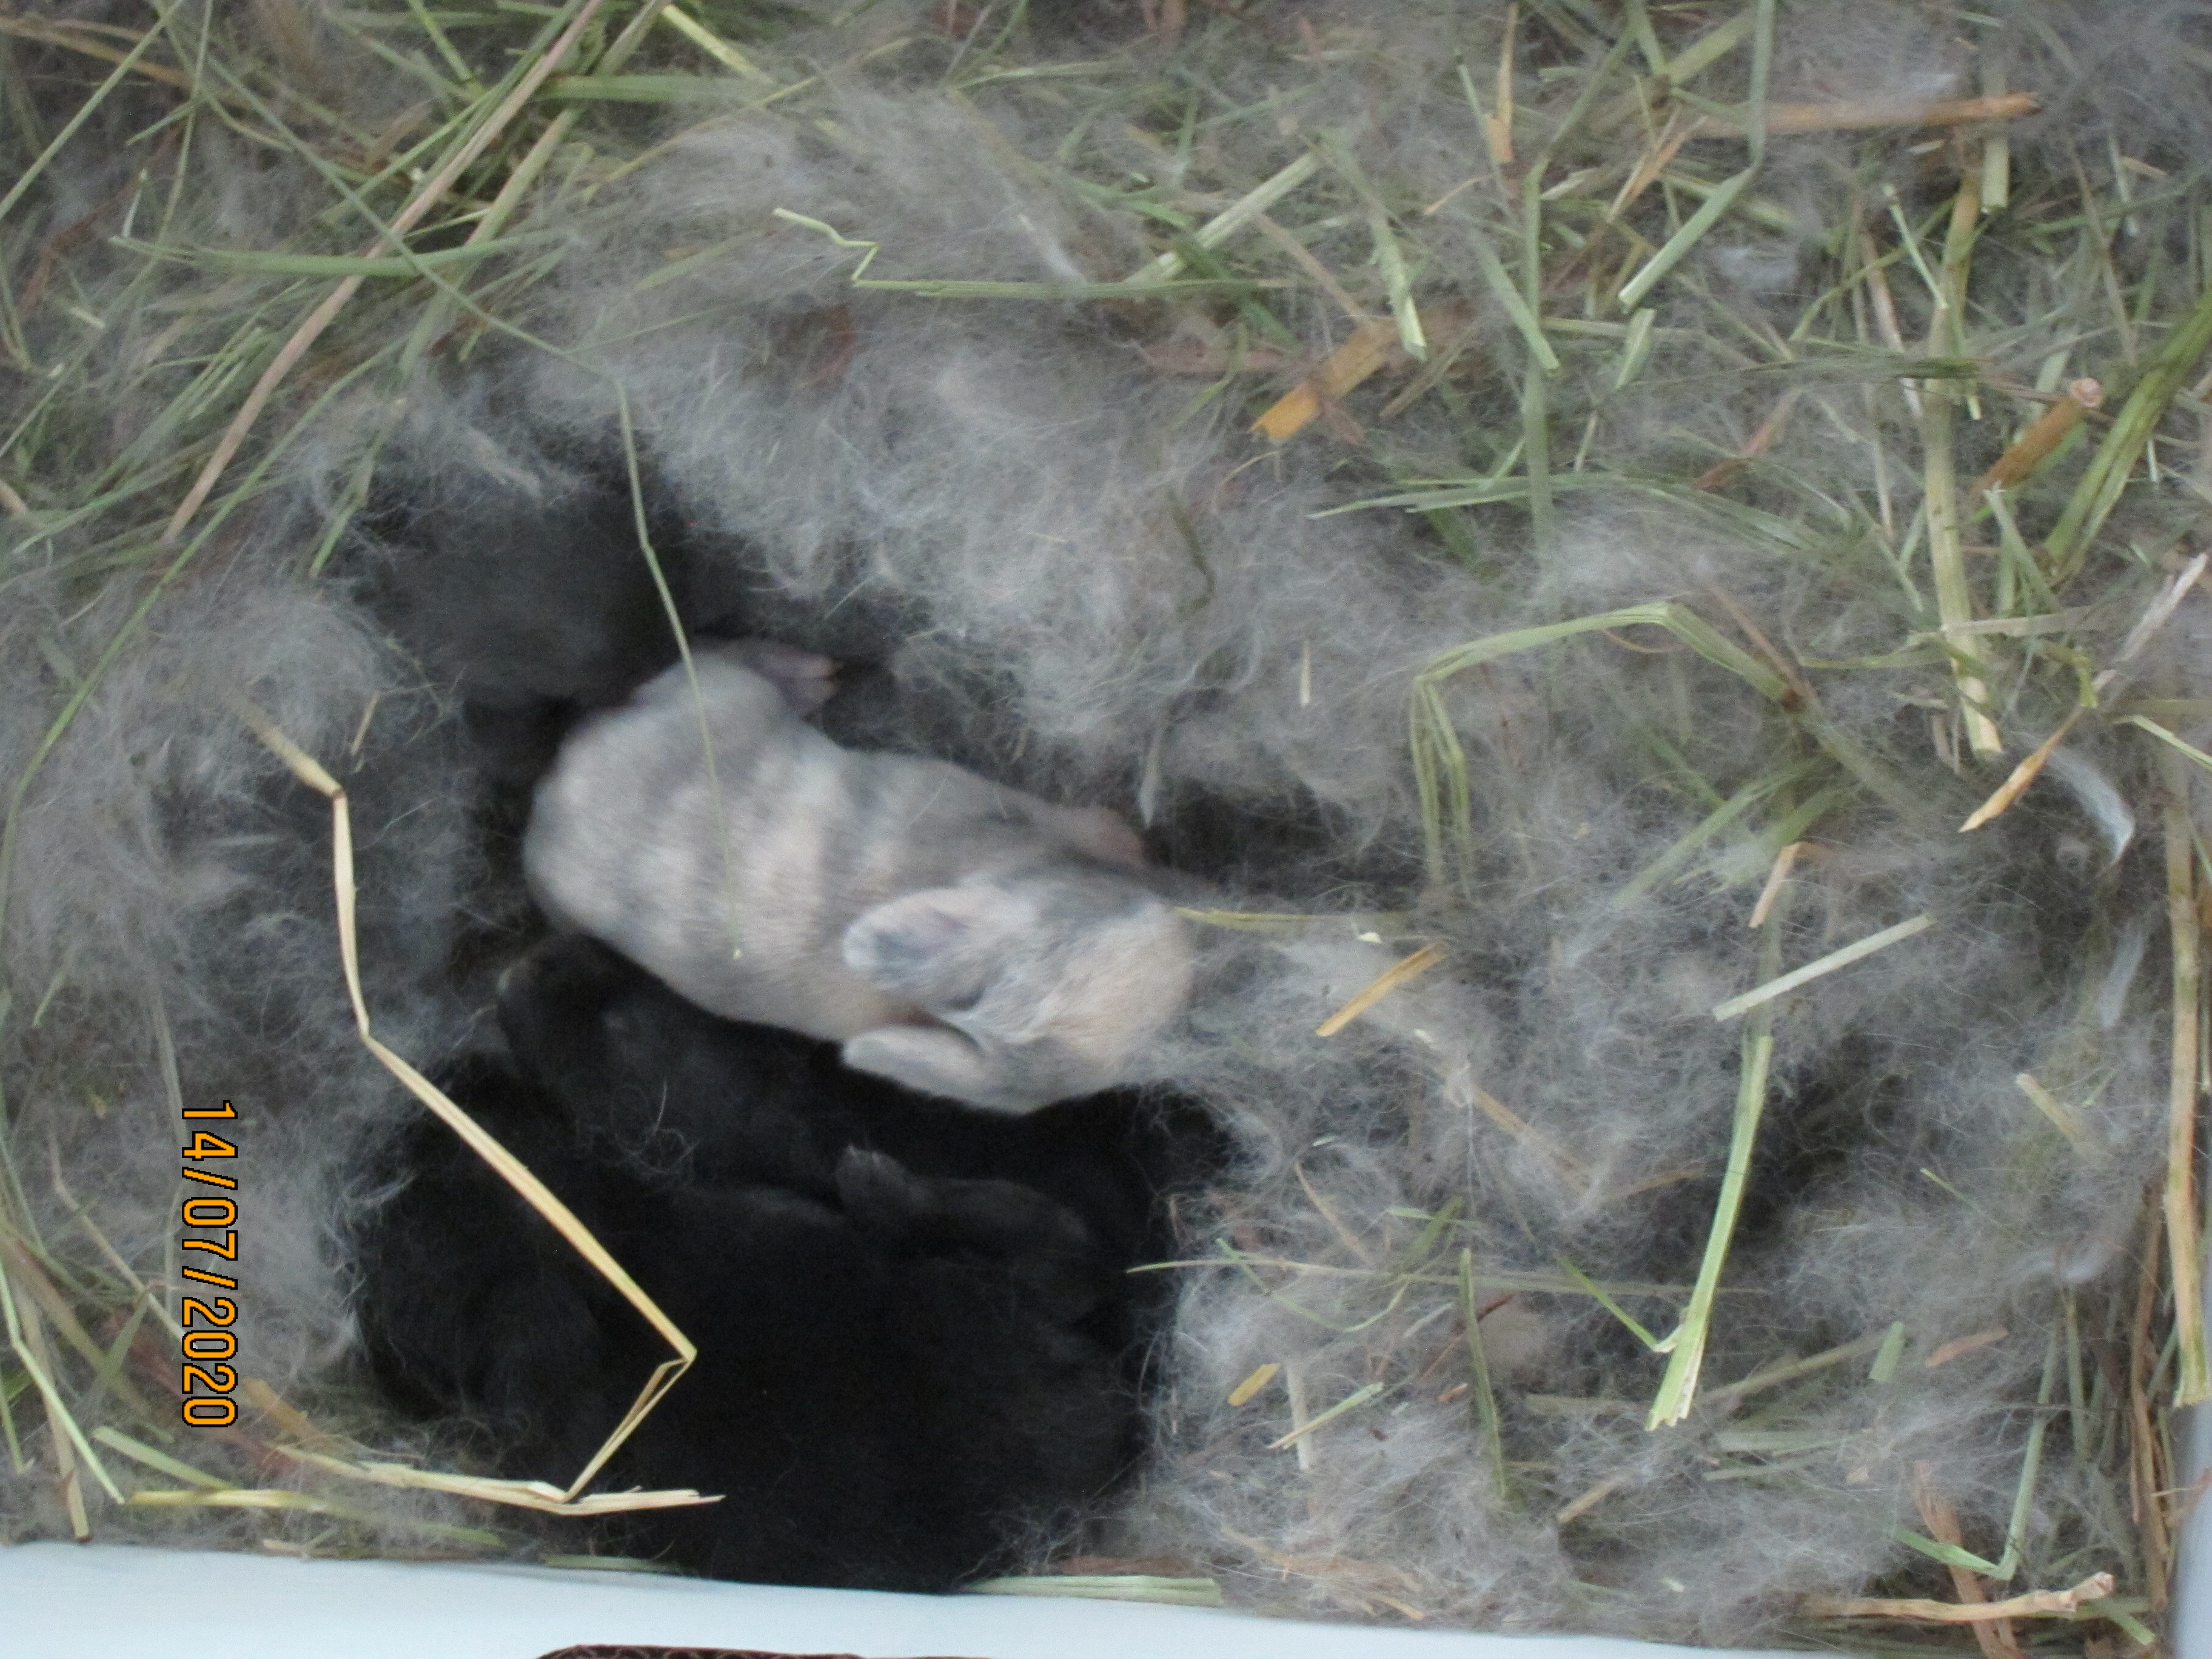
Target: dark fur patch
918, 1339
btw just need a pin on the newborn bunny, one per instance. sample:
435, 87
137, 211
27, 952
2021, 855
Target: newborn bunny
963, 938
912, 1353
895, 1376
655, 1082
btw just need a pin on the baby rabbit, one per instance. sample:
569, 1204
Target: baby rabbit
963, 938
907, 1360
653, 1081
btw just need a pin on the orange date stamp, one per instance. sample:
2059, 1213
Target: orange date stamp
205, 1322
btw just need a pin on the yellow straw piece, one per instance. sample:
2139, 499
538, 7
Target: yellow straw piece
1244, 1392
2036, 1604
511, 1169
2022, 776
1412, 968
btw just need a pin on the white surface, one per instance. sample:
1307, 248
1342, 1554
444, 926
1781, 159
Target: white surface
110, 1601
2192, 1590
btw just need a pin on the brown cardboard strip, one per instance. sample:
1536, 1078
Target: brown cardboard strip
601, 1650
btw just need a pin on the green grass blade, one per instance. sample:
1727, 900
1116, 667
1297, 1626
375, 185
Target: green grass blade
1677, 1387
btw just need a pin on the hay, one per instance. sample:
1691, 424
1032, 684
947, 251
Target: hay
1747, 358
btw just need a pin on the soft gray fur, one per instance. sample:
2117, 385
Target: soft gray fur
1081, 574
963, 938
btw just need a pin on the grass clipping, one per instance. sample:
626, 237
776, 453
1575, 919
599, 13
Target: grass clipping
524, 1494
527, 110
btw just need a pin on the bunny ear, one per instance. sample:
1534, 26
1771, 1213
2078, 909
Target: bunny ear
932, 1061
909, 931
932, 945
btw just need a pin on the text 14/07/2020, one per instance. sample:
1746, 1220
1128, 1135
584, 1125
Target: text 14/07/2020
205, 1323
